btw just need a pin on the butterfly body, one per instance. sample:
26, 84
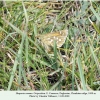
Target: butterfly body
47, 40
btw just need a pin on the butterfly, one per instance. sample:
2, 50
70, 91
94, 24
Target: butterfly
47, 40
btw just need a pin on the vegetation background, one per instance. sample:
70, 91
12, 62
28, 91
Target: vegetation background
25, 65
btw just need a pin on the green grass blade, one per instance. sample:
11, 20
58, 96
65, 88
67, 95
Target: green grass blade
81, 73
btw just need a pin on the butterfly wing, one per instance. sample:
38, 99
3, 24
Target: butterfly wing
47, 40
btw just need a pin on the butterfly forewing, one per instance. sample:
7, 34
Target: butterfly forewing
47, 40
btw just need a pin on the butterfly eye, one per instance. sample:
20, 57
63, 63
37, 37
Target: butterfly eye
38, 39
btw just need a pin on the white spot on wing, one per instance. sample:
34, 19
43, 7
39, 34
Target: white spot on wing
54, 37
59, 39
